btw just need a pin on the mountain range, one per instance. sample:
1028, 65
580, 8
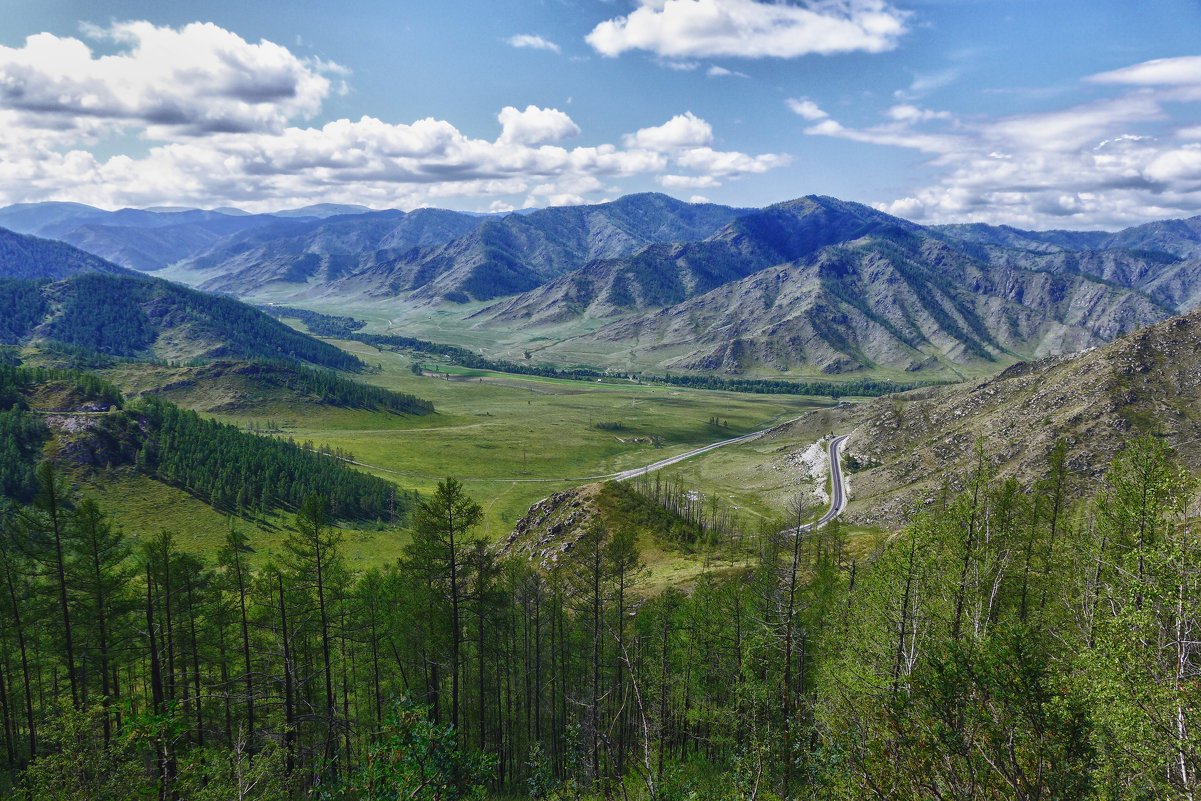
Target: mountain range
810, 286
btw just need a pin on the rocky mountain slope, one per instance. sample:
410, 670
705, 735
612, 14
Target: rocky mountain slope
896, 299
814, 284
665, 274
914, 443
520, 252
306, 252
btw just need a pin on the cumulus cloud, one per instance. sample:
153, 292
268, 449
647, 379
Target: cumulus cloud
533, 42
806, 108
535, 125
195, 80
682, 130
750, 28
226, 124
1107, 163
729, 163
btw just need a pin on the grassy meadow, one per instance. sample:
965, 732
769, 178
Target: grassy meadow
511, 439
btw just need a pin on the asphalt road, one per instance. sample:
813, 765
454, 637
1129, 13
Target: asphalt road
622, 476
838, 490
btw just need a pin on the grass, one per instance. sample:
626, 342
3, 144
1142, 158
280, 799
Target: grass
143, 507
512, 440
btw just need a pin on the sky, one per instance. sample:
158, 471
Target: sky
1038, 114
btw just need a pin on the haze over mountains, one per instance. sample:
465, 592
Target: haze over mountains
814, 285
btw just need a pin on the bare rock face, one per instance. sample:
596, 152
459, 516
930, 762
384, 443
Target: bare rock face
553, 525
89, 437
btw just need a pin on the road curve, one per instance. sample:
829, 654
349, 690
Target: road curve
838, 490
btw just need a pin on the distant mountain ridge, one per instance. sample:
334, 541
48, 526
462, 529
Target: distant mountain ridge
892, 299
814, 284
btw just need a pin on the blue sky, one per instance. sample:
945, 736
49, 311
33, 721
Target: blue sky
1038, 114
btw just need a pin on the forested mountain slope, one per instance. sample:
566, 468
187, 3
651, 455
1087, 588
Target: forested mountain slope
89, 425
135, 316
31, 257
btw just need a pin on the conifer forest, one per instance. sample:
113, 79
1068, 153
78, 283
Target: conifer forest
1010, 642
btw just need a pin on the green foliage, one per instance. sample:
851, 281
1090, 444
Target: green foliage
124, 316
81, 762
22, 308
22, 435
646, 511
322, 325
220, 463
1009, 643
411, 757
330, 388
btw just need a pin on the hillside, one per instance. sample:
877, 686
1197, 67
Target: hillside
665, 274
893, 300
521, 251
85, 423
814, 285
30, 257
226, 387
1145, 382
142, 317
320, 252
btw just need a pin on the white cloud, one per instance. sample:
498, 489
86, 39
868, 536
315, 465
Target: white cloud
682, 130
532, 41
221, 121
751, 29
806, 108
905, 112
1181, 71
687, 181
195, 80
729, 163
680, 66
535, 125
1108, 163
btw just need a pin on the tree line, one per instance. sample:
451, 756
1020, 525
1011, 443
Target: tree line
248, 474
854, 387
322, 325
233, 470
330, 388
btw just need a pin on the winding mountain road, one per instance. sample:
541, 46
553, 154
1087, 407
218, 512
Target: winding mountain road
838, 490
